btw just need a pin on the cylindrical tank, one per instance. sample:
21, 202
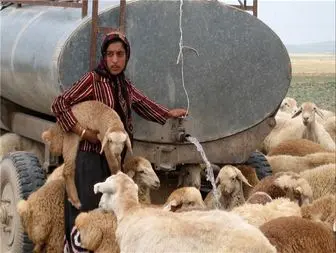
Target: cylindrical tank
235, 76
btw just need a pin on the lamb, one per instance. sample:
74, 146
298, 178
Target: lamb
314, 131
299, 163
154, 230
11, 142
286, 184
229, 187
56, 174
296, 235
321, 179
258, 214
299, 147
42, 216
322, 210
92, 115
190, 175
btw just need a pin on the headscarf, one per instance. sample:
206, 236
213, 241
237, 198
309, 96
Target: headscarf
118, 82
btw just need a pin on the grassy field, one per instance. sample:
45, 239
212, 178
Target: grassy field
314, 79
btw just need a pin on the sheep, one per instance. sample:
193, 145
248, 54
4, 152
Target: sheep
97, 231
288, 105
330, 126
184, 198
56, 174
296, 235
142, 172
190, 175
10, 142
314, 131
229, 187
322, 210
259, 198
299, 147
258, 214
42, 217
321, 179
92, 115
299, 163
286, 184
154, 230
97, 228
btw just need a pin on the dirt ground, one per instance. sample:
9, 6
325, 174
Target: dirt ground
314, 79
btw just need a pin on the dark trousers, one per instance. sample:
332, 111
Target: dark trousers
91, 168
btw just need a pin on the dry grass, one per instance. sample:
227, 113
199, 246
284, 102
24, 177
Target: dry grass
314, 79
310, 64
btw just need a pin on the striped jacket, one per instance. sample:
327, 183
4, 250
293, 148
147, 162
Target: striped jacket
91, 88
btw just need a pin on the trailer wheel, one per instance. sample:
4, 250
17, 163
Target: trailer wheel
258, 161
21, 174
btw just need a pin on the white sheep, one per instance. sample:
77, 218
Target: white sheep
229, 182
322, 210
299, 163
314, 131
322, 179
296, 235
330, 126
288, 105
286, 184
92, 115
184, 198
258, 214
11, 142
154, 230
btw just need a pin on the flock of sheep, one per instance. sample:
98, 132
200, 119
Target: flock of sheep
291, 211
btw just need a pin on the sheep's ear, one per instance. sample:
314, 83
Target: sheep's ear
104, 187
105, 139
319, 113
128, 144
131, 173
297, 113
242, 178
334, 226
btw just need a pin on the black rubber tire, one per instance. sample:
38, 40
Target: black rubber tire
258, 161
22, 174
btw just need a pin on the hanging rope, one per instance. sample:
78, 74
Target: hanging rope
180, 55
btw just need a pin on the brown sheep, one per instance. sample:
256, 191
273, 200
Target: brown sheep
298, 235
300, 147
286, 184
42, 216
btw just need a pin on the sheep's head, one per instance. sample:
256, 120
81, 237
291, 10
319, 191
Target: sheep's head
142, 172
295, 187
91, 234
115, 189
288, 105
53, 137
190, 175
308, 111
229, 180
259, 198
116, 141
184, 198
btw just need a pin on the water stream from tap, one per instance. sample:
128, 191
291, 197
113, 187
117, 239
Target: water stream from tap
209, 171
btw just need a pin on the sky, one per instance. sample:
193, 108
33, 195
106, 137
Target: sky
298, 21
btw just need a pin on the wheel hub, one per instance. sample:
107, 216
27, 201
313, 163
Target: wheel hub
7, 211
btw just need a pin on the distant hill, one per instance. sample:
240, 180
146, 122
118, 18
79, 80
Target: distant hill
326, 47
